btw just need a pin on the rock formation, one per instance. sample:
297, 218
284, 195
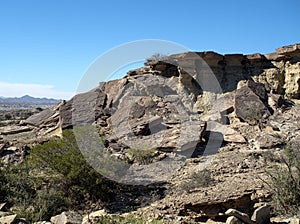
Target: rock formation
189, 105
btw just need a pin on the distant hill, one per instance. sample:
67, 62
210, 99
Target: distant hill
28, 101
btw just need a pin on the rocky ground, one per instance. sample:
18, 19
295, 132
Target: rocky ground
207, 131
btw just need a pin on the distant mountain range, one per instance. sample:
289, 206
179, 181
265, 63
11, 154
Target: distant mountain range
27, 100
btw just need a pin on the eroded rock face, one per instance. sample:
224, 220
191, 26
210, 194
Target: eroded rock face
167, 108
166, 104
151, 114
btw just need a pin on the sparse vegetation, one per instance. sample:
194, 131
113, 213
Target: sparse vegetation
199, 179
157, 57
142, 156
17, 114
129, 219
285, 182
54, 178
7, 116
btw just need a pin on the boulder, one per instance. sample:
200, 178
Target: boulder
250, 102
82, 109
10, 219
224, 104
262, 215
241, 216
255, 87
228, 134
267, 141
233, 220
67, 218
221, 107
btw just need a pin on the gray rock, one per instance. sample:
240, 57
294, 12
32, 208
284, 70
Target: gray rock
233, 220
242, 216
268, 141
259, 89
8, 219
249, 105
228, 134
261, 215
14, 129
67, 218
82, 109
38, 119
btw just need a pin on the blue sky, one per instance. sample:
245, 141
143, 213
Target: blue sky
47, 46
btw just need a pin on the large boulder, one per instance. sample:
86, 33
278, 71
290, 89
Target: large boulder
262, 215
227, 134
239, 215
250, 102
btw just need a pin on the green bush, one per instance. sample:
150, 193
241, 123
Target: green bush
8, 116
3, 183
54, 178
80, 179
285, 182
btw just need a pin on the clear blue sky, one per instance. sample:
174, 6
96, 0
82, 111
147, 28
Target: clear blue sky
46, 46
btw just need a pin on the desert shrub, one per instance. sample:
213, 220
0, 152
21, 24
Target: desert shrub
3, 182
19, 185
198, 179
142, 156
24, 191
54, 178
284, 182
157, 57
80, 179
48, 202
8, 116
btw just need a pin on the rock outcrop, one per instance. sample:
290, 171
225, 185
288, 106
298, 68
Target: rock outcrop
191, 105
172, 90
